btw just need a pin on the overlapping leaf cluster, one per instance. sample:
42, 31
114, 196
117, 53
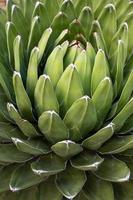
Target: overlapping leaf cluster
66, 100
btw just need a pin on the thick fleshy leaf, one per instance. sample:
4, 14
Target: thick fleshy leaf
70, 91
23, 177
22, 99
95, 141
100, 70
55, 62
41, 11
44, 96
8, 130
80, 118
66, 148
70, 182
123, 115
33, 146
5, 175
108, 16
51, 8
86, 161
124, 190
102, 99
32, 73
97, 189
79, 5
67, 7
45, 190
117, 145
106, 170
80, 196
53, 127
24, 125
48, 165
9, 153
20, 23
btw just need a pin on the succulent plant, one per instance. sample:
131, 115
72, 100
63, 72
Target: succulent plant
66, 100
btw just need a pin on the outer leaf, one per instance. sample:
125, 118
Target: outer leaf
80, 118
48, 165
44, 96
22, 99
100, 70
95, 141
66, 148
25, 126
117, 145
106, 170
124, 190
52, 126
70, 182
45, 190
5, 174
123, 115
33, 146
23, 177
97, 189
9, 153
55, 62
86, 161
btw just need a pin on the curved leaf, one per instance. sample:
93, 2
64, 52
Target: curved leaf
33, 146
95, 141
70, 182
117, 145
48, 165
106, 170
23, 177
66, 148
52, 126
9, 153
86, 161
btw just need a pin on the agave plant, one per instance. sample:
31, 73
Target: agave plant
66, 100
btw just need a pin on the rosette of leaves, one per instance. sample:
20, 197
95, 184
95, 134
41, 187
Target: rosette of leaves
66, 100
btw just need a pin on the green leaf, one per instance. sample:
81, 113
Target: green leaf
70, 91
80, 118
22, 99
108, 22
48, 165
9, 153
42, 44
32, 73
86, 161
67, 7
20, 23
95, 141
55, 62
106, 170
23, 177
87, 14
41, 11
70, 182
51, 8
102, 99
79, 5
100, 70
97, 189
53, 127
126, 93
11, 34
8, 130
124, 190
33, 146
5, 174
45, 190
123, 115
34, 35
117, 145
25, 126
66, 148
